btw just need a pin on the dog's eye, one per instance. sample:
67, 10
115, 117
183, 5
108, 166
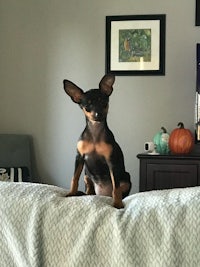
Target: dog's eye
87, 108
103, 104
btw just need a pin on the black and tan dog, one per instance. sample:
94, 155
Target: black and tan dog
103, 158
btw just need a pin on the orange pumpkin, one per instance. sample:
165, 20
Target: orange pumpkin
181, 140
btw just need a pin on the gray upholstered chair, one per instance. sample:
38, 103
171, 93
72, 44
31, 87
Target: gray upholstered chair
16, 150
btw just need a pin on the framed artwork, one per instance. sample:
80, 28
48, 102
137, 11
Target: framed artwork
135, 44
197, 13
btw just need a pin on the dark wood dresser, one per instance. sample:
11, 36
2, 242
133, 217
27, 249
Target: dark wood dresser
168, 171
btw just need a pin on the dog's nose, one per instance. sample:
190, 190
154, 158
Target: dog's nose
97, 115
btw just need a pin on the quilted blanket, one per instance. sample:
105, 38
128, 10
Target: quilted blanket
40, 227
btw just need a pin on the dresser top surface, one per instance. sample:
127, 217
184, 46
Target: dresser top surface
194, 156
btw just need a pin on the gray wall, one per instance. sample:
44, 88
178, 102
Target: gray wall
43, 42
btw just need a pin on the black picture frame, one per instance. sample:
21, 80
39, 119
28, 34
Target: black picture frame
197, 20
132, 56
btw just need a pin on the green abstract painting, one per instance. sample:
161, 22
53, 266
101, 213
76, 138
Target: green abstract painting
135, 44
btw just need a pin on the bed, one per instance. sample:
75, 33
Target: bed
39, 226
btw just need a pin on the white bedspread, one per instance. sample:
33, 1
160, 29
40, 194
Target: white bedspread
39, 227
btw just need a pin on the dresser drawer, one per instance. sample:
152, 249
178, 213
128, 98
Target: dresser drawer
164, 176
168, 171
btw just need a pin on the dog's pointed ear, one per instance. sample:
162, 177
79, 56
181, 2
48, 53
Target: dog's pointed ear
73, 91
106, 84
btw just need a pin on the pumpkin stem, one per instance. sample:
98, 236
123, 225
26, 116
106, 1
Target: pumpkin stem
181, 125
163, 129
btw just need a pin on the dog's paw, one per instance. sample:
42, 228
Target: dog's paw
70, 195
118, 205
75, 194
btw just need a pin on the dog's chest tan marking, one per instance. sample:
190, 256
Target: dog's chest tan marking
101, 148
85, 147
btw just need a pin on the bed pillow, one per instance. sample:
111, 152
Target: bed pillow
14, 174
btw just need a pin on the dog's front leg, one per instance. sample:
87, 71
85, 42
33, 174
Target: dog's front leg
106, 150
116, 192
79, 163
116, 189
